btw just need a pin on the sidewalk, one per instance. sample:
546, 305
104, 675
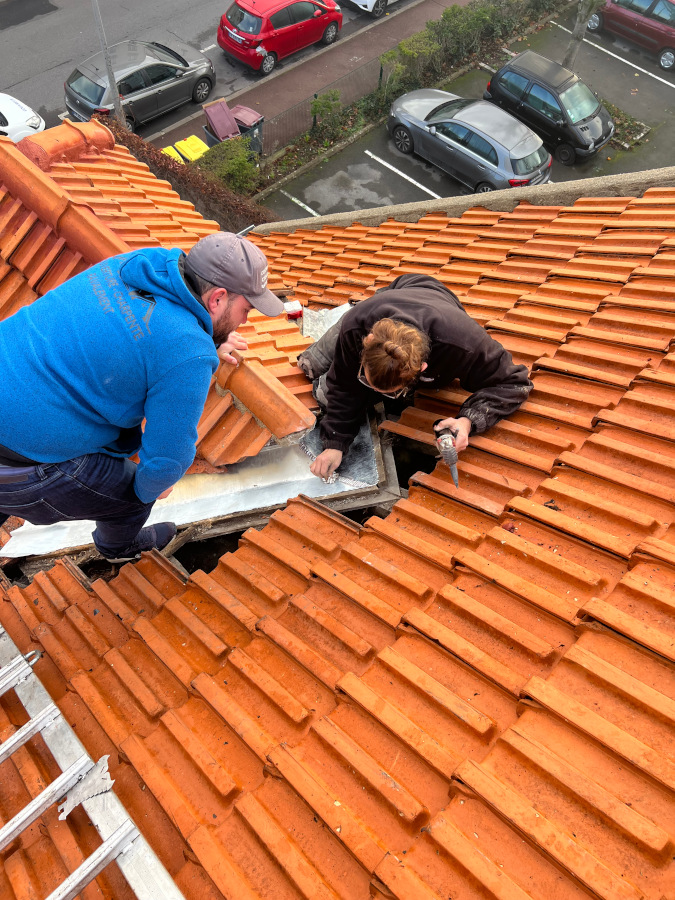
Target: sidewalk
298, 81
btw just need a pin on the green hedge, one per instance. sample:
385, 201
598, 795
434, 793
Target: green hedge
452, 40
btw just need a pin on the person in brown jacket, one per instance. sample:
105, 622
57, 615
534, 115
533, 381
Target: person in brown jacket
412, 334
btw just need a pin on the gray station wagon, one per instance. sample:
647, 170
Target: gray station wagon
151, 79
478, 144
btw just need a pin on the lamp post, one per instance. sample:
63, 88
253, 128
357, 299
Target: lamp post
121, 118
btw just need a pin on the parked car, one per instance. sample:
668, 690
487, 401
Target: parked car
555, 103
17, 120
374, 8
151, 79
647, 23
473, 141
261, 32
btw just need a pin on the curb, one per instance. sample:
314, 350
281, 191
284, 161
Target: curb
636, 140
258, 198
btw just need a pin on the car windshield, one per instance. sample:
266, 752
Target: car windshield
85, 87
529, 163
243, 20
579, 102
447, 110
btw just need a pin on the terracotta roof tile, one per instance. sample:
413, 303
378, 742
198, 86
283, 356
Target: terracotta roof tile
377, 672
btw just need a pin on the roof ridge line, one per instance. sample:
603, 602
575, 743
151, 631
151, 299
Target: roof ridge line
75, 222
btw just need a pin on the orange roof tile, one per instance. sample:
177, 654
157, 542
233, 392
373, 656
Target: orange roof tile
472, 696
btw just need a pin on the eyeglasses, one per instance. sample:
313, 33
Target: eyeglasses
395, 395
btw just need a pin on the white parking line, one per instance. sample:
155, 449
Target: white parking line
210, 47
407, 177
308, 209
621, 59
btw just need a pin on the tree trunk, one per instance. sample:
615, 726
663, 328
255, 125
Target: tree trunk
585, 10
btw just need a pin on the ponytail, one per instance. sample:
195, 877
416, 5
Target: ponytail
394, 354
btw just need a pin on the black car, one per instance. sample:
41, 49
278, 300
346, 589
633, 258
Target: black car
555, 103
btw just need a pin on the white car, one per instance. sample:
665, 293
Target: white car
374, 8
17, 120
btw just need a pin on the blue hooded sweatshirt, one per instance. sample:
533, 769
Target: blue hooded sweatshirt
82, 367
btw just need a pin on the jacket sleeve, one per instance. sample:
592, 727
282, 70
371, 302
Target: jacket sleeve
173, 408
497, 386
347, 397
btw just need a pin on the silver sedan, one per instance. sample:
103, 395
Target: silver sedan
474, 141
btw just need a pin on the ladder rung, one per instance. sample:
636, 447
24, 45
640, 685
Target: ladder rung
53, 792
85, 873
14, 672
29, 730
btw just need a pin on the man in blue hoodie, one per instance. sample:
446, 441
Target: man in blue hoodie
133, 338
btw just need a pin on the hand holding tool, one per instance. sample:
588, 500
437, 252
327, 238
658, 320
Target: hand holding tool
445, 441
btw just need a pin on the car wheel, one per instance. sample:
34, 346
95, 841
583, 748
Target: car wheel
403, 139
483, 188
565, 154
667, 59
595, 23
379, 9
330, 34
268, 64
201, 90
129, 124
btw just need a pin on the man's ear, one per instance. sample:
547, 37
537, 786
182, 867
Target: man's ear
423, 367
368, 339
213, 300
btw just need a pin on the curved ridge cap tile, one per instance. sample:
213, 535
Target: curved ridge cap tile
267, 398
66, 142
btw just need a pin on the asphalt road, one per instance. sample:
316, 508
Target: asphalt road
371, 172
43, 40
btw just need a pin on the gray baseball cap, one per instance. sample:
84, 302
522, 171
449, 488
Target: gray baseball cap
230, 261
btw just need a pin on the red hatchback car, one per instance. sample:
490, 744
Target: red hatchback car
261, 32
647, 23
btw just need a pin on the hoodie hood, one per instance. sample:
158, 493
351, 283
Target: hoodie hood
158, 272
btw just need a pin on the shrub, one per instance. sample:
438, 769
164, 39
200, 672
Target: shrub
232, 163
327, 113
460, 33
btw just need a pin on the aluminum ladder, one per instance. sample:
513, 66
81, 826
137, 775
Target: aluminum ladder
81, 782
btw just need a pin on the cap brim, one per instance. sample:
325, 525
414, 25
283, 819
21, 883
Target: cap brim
267, 303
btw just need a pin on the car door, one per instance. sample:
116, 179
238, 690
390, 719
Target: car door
476, 161
625, 17
138, 96
308, 28
170, 85
658, 26
511, 88
282, 39
442, 147
541, 111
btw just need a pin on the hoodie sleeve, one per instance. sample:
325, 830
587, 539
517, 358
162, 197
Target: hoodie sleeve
347, 397
173, 408
497, 385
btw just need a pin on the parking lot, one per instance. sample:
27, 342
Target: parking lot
371, 172
42, 42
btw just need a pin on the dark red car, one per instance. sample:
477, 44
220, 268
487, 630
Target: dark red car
261, 32
647, 23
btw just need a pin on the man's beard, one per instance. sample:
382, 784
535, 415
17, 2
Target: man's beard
224, 326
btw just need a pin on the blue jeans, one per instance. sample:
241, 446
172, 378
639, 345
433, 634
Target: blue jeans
96, 486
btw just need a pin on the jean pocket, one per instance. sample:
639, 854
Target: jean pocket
37, 513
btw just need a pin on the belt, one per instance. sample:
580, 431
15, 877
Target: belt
9, 475
15, 460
